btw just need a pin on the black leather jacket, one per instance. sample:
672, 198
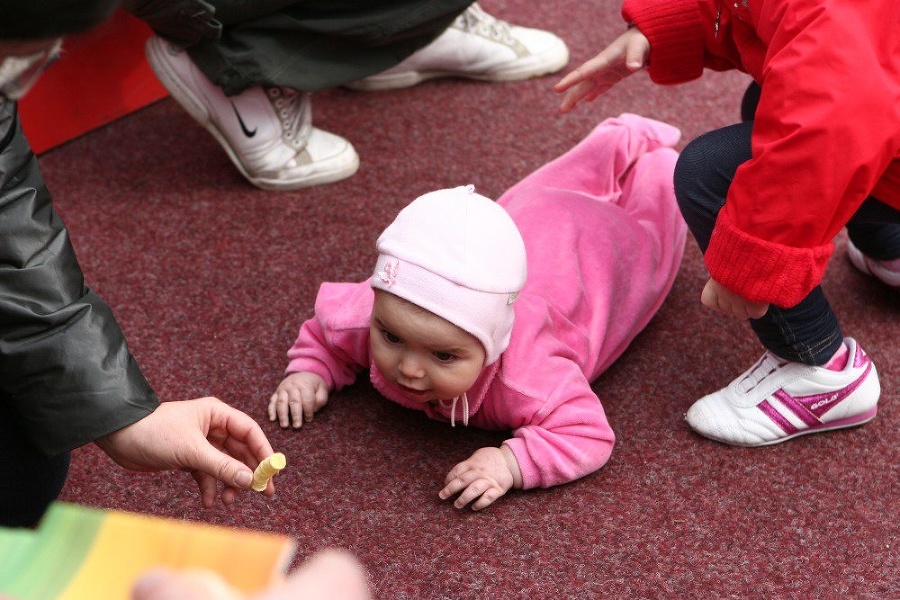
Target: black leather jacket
65, 370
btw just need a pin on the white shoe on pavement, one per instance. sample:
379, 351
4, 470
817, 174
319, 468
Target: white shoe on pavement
776, 400
266, 132
886, 271
476, 46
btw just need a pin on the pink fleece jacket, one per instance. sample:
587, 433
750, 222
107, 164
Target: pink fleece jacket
604, 239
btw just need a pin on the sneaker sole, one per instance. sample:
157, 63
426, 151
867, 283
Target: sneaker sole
847, 423
156, 51
348, 170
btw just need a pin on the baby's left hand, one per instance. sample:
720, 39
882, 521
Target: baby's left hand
482, 478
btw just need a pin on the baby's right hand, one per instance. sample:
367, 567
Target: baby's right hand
298, 397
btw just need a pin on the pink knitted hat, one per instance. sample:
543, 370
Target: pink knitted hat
460, 256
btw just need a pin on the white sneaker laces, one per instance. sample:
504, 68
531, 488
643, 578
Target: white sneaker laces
294, 111
764, 367
475, 20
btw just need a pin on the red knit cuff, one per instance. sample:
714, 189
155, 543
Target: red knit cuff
762, 271
675, 32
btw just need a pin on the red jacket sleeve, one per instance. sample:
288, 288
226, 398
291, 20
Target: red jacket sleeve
826, 129
825, 132
679, 32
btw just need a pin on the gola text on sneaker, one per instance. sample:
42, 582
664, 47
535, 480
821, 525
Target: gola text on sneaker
776, 400
876, 268
476, 46
266, 132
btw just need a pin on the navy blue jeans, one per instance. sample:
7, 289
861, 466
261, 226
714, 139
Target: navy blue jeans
808, 332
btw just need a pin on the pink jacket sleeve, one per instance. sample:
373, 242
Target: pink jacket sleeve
567, 437
335, 343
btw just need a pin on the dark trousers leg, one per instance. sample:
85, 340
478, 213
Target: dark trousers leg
807, 333
310, 45
29, 481
876, 231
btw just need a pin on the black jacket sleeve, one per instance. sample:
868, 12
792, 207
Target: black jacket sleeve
65, 369
185, 22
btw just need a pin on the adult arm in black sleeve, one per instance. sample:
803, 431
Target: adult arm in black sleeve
64, 364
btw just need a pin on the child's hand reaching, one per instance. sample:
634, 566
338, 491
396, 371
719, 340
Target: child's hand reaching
297, 398
718, 297
483, 477
624, 57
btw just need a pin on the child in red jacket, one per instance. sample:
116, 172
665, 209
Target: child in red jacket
818, 151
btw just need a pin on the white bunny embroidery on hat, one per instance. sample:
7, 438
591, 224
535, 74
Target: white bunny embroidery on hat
388, 273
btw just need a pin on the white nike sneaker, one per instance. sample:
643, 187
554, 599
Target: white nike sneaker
888, 271
266, 132
476, 46
776, 400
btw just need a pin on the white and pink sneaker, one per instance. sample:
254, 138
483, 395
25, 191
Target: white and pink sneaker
776, 400
888, 271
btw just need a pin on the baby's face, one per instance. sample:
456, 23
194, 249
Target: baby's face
427, 357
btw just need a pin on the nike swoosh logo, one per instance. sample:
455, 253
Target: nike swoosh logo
246, 131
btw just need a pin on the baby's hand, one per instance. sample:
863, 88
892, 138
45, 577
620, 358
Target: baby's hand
482, 478
624, 57
298, 396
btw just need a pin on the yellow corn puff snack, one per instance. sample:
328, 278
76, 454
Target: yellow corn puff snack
266, 469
